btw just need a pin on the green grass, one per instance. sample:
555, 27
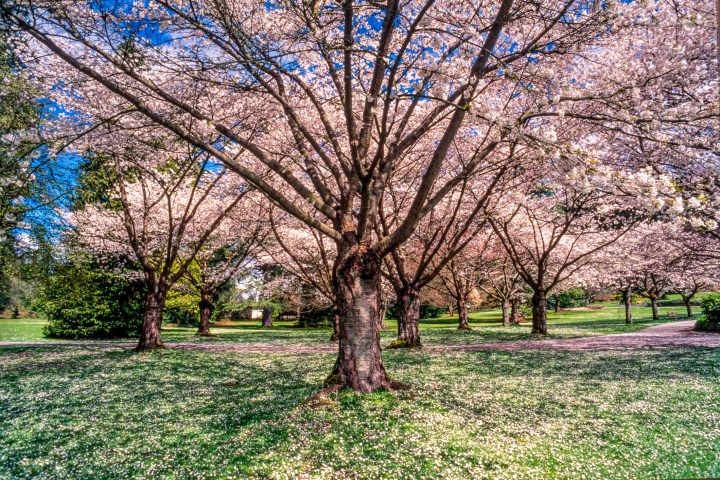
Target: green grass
21, 330
110, 413
436, 331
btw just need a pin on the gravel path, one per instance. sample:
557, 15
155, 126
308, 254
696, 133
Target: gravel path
676, 334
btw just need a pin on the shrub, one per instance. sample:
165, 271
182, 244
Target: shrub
317, 317
81, 300
431, 311
576, 297
182, 308
710, 319
426, 311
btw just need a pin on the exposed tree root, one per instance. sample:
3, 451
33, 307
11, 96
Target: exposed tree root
150, 348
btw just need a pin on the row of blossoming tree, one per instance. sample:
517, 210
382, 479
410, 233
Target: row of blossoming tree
389, 142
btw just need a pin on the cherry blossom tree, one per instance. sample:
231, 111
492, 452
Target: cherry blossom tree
163, 204
233, 248
499, 279
307, 255
566, 215
321, 105
442, 235
461, 276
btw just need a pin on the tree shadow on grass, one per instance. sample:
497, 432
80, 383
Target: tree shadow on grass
107, 411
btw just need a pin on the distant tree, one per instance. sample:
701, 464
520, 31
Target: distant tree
499, 279
163, 202
232, 249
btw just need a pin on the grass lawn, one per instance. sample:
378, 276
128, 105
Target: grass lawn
111, 413
436, 331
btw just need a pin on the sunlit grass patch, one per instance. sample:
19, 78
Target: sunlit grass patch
487, 327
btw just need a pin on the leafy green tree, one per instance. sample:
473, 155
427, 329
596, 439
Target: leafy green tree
20, 117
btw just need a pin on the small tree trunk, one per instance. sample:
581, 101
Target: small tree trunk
688, 307
627, 301
514, 311
557, 304
150, 338
506, 312
464, 323
206, 309
359, 364
539, 312
654, 306
408, 308
451, 309
336, 323
382, 312
267, 317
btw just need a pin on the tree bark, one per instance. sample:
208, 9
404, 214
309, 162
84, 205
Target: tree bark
539, 312
382, 312
150, 338
514, 311
464, 323
359, 363
506, 312
408, 308
627, 297
336, 324
654, 306
267, 317
206, 310
686, 300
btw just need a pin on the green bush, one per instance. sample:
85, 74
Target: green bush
318, 317
182, 308
710, 319
426, 311
431, 311
81, 300
576, 297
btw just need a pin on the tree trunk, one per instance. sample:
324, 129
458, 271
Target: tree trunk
267, 317
464, 323
206, 309
359, 364
150, 338
408, 308
654, 306
451, 309
627, 297
382, 312
514, 311
506, 312
688, 307
539, 312
557, 304
336, 324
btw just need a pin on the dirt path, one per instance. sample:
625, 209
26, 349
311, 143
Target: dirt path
676, 334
